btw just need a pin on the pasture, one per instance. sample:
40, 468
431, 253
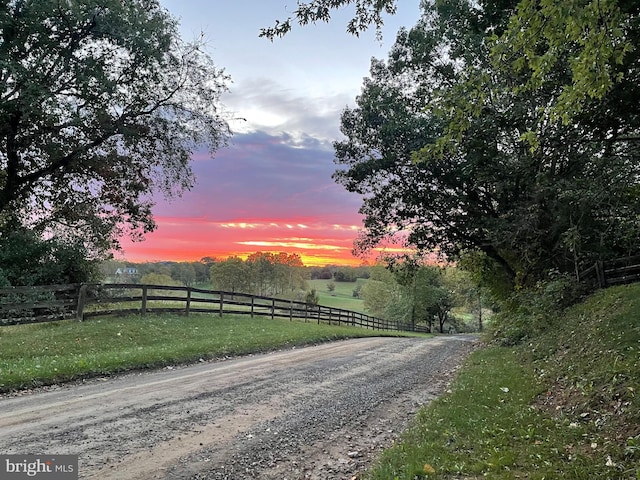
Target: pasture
341, 297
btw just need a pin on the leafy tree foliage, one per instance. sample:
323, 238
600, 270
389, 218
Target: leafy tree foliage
155, 278
101, 104
447, 145
346, 274
367, 12
26, 259
263, 273
594, 41
410, 292
424, 291
311, 297
275, 273
323, 273
185, 272
231, 275
380, 292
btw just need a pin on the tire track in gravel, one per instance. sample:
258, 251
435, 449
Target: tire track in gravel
314, 413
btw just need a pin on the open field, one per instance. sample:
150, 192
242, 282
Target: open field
39, 354
341, 297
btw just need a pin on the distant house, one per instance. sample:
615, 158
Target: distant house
130, 271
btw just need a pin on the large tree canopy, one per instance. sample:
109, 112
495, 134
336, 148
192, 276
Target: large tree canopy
101, 104
467, 146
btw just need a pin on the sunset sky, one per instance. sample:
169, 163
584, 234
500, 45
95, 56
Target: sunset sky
271, 188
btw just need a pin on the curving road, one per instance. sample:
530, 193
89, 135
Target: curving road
320, 412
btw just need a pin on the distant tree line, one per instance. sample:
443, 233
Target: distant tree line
339, 273
408, 289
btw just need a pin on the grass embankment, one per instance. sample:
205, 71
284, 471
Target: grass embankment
565, 405
40, 354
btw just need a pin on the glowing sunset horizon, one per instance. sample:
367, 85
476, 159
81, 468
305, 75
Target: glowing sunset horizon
271, 188
191, 239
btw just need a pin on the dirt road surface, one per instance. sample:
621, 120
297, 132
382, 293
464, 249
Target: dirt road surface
314, 413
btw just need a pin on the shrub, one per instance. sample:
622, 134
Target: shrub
311, 297
529, 312
28, 259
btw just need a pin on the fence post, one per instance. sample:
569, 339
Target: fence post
273, 308
143, 307
600, 275
188, 306
82, 300
291, 310
221, 303
253, 301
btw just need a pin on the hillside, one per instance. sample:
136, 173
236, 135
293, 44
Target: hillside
564, 405
590, 364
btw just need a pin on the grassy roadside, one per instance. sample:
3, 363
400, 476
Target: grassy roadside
41, 354
564, 405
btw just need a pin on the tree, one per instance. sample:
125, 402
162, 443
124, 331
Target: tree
346, 274
503, 127
442, 203
367, 12
231, 275
276, 273
595, 41
427, 297
102, 104
467, 289
311, 297
440, 146
289, 273
184, 272
202, 272
26, 259
158, 279
380, 292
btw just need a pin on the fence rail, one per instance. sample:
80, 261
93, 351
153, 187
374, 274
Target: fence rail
613, 272
20, 305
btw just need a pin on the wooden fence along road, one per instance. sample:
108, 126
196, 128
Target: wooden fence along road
614, 272
56, 302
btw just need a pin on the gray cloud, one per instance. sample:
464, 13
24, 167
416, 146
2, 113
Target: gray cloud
264, 175
269, 107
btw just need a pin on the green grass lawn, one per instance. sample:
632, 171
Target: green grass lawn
39, 354
341, 297
565, 405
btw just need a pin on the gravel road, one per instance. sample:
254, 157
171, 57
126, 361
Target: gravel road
318, 413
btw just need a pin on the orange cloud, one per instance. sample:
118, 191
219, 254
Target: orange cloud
190, 239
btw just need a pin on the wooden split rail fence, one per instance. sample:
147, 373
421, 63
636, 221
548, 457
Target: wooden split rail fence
82, 301
613, 272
